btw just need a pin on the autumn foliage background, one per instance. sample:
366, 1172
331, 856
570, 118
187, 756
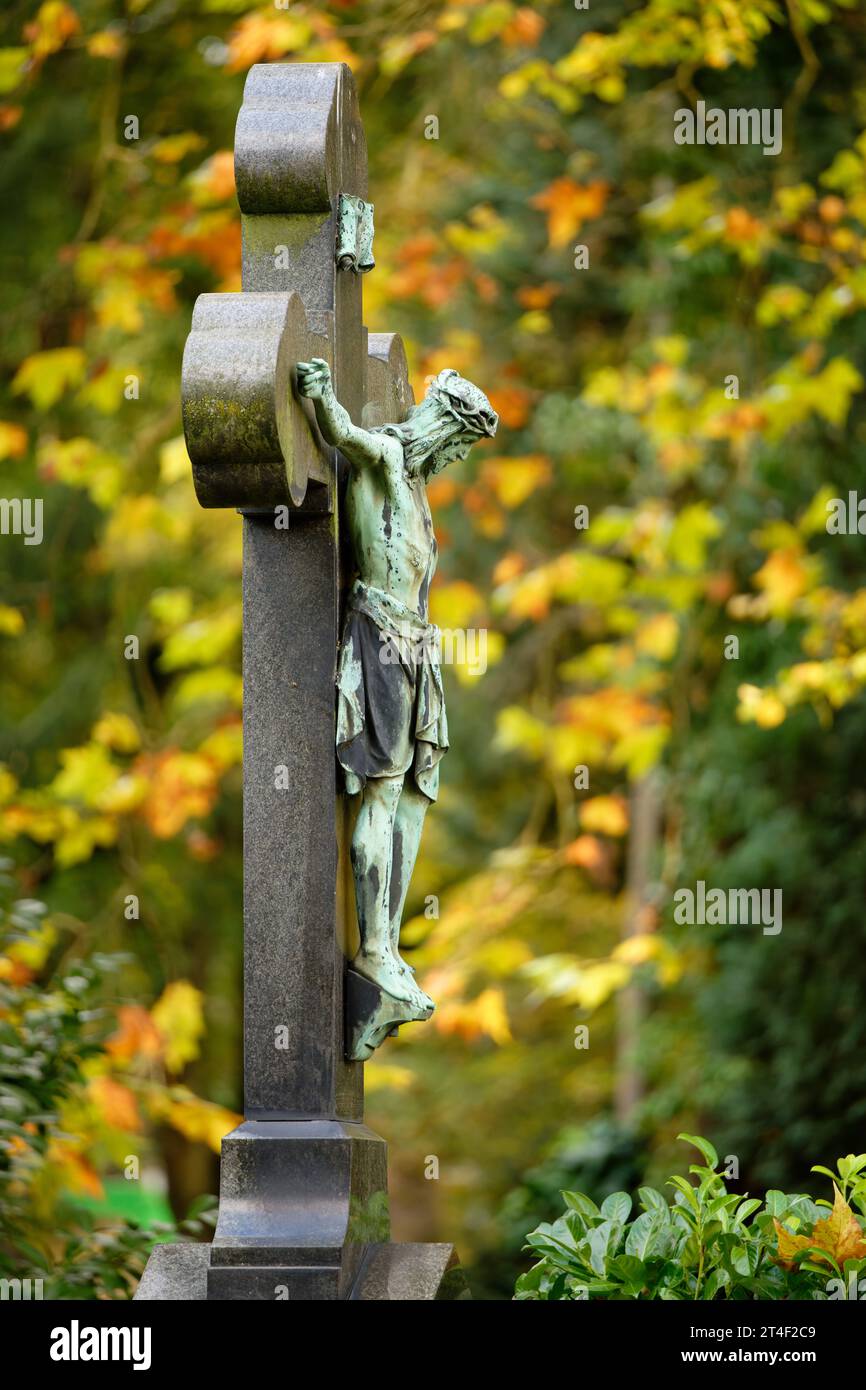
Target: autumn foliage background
120, 777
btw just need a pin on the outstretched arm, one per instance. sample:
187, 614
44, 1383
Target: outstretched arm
359, 446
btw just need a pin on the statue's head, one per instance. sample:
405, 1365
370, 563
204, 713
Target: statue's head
467, 406
453, 415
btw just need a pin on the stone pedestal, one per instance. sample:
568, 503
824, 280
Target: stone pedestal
409, 1273
299, 1204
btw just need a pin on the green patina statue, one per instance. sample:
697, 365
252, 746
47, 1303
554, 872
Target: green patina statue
391, 725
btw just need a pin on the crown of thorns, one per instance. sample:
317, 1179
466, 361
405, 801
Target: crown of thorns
464, 401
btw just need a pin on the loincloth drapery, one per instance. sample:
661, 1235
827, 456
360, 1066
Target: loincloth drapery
390, 701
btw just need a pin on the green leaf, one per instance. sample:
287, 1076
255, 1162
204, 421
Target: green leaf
688, 1193
747, 1208
630, 1271
578, 1201
719, 1279
704, 1146
617, 1207
651, 1200
642, 1234
818, 1168
776, 1202
598, 1241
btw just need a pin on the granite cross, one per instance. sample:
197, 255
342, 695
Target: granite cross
303, 1188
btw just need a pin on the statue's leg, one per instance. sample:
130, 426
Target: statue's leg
372, 852
408, 825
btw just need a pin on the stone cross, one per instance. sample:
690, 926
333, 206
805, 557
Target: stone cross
303, 1189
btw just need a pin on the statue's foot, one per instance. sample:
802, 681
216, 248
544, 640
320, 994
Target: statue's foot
383, 968
424, 1000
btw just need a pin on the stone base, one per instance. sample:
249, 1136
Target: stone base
300, 1203
389, 1273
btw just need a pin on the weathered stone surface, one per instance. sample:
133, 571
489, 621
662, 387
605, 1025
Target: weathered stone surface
301, 1200
391, 1273
299, 140
411, 1273
388, 395
294, 834
249, 445
175, 1272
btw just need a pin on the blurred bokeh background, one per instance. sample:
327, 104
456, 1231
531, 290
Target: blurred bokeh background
673, 336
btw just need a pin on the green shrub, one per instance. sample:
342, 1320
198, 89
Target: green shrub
710, 1243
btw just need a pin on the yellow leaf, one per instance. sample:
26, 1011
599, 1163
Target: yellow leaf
763, 707
512, 480
379, 1076
117, 731
484, 1016
45, 376
784, 577
637, 950
517, 729
456, 605
693, 529
197, 1120
214, 181
79, 836
263, 38
224, 747
658, 636
171, 607
174, 148
180, 787
179, 1016
105, 44
605, 815
8, 784
79, 462
11, 621
203, 641
13, 440
12, 67
55, 22
86, 774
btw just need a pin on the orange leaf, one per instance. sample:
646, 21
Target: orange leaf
592, 855
568, 205
13, 440
839, 1235
115, 1102
79, 1172
137, 1035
